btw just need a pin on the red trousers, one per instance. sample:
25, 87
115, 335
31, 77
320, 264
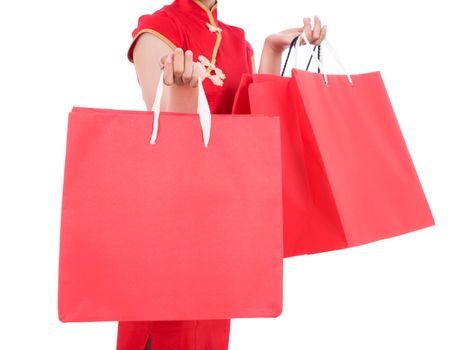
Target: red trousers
174, 335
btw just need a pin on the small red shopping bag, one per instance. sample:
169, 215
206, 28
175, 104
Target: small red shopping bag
357, 160
173, 230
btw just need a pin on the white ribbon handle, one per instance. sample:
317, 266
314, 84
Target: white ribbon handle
320, 64
202, 109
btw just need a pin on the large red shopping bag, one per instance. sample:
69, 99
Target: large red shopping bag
170, 229
268, 94
357, 160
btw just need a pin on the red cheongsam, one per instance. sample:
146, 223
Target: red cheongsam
221, 48
225, 54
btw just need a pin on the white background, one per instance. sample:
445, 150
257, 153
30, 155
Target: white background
410, 292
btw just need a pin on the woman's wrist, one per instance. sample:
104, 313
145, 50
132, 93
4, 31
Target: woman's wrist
270, 61
271, 46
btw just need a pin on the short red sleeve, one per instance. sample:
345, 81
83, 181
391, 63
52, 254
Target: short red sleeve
160, 24
250, 56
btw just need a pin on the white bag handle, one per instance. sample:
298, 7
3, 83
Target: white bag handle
202, 109
320, 64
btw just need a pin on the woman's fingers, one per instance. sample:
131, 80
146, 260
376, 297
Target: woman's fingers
307, 29
188, 67
179, 68
316, 31
168, 75
323, 34
196, 70
178, 65
316, 34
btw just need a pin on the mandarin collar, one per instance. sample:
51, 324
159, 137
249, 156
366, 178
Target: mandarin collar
197, 7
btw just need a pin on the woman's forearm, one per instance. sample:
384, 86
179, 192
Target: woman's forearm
270, 61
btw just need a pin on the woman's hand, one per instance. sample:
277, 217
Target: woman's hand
279, 42
275, 44
179, 68
178, 96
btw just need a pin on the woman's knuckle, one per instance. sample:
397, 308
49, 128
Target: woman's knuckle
185, 80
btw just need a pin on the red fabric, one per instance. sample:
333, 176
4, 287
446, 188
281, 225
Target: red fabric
183, 24
174, 335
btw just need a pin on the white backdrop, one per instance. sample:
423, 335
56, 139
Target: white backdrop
410, 292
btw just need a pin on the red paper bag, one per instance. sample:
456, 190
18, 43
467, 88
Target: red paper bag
174, 230
357, 160
268, 94
315, 220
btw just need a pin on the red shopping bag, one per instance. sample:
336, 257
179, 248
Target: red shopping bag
174, 230
372, 162
357, 160
268, 94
